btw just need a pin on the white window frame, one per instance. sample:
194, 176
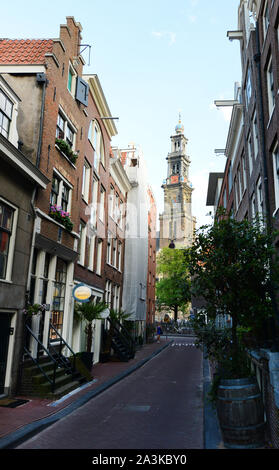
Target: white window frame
102, 204
266, 20
119, 256
111, 202
74, 79
114, 252
250, 153
63, 182
67, 124
270, 87
255, 134
99, 256
275, 159
91, 252
244, 173
236, 193
96, 139
248, 87
82, 243
253, 205
12, 239
259, 189
94, 202
121, 214
86, 176
109, 248
4, 114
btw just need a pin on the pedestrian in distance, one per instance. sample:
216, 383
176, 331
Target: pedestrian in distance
159, 333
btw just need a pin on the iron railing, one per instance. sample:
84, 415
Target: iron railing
57, 346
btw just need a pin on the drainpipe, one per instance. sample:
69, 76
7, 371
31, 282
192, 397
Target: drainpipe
41, 79
257, 59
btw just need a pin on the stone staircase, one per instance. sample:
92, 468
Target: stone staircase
37, 380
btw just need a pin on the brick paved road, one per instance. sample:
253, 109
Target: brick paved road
160, 406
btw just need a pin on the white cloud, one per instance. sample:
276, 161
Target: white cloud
192, 18
157, 34
168, 34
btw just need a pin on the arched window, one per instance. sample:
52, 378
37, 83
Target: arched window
96, 139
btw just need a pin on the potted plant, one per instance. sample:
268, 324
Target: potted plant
230, 263
65, 148
34, 309
89, 312
61, 216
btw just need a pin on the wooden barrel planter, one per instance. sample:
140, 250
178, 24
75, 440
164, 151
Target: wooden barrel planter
241, 413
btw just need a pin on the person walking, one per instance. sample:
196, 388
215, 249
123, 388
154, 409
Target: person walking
159, 333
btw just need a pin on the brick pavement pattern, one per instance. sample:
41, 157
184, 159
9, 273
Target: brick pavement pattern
159, 406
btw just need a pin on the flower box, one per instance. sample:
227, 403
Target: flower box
65, 148
61, 216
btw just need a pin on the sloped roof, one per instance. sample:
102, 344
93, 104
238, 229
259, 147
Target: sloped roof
24, 51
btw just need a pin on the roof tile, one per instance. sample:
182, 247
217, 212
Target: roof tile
24, 51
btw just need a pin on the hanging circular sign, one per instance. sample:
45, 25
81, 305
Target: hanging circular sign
82, 293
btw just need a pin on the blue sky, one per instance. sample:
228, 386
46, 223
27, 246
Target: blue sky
154, 58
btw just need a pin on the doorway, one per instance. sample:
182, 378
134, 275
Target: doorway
5, 324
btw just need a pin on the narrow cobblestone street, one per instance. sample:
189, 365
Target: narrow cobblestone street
160, 406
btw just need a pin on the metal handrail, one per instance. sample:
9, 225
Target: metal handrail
123, 332
61, 358
53, 380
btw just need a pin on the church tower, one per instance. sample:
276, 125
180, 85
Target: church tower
176, 222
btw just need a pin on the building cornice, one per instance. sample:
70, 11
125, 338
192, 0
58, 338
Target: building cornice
18, 160
101, 103
120, 176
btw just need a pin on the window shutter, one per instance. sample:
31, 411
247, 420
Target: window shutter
82, 91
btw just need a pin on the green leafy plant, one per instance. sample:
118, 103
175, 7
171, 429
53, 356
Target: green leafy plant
230, 264
61, 216
89, 312
34, 309
173, 288
66, 149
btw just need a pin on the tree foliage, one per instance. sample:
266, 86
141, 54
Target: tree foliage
230, 264
173, 287
89, 312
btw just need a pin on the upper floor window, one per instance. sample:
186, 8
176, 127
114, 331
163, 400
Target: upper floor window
255, 134
64, 130
60, 193
248, 87
6, 109
71, 79
260, 197
102, 204
275, 158
8, 216
86, 180
96, 139
250, 155
270, 87
265, 18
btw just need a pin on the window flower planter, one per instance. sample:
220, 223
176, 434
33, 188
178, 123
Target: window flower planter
65, 148
61, 216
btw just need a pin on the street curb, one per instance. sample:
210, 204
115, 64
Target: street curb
29, 430
212, 433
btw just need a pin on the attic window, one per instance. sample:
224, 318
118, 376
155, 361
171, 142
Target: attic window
134, 162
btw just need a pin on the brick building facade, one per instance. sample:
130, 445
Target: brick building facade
250, 184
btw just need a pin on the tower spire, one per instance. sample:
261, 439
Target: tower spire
179, 128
